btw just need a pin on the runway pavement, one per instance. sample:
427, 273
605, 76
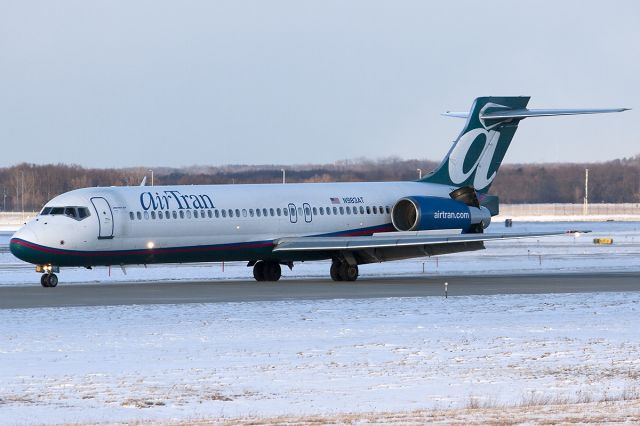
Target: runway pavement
247, 291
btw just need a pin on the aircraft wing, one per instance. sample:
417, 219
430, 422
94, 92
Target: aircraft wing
393, 239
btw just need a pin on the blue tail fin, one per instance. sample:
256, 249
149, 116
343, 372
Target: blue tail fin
476, 155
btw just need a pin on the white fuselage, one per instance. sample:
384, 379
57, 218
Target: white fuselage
180, 218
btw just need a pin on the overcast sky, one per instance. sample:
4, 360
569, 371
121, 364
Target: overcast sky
154, 83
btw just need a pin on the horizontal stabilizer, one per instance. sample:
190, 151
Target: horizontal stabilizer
525, 113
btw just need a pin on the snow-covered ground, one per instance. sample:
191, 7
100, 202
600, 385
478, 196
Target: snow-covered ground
563, 253
258, 359
315, 357
11, 221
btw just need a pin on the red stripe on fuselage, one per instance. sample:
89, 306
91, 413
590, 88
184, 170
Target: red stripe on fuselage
231, 246
139, 251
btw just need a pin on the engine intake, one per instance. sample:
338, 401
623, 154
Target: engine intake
421, 213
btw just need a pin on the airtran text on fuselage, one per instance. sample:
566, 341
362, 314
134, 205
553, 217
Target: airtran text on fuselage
169, 200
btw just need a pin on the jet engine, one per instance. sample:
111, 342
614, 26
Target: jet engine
421, 213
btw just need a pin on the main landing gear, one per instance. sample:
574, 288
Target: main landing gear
49, 280
267, 270
343, 271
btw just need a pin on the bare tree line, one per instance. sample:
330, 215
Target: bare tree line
30, 186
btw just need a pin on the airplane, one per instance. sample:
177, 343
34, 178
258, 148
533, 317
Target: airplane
275, 225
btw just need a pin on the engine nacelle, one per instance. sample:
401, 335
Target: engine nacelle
420, 213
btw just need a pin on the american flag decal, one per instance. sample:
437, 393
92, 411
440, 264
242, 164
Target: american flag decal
335, 200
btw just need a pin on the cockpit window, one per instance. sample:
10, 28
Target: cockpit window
70, 211
77, 213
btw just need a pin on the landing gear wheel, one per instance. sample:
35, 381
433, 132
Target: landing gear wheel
267, 271
49, 280
335, 271
349, 272
258, 271
272, 271
52, 280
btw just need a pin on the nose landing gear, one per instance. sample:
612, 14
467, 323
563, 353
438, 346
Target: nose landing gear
49, 280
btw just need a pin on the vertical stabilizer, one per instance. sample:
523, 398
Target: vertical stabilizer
475, 156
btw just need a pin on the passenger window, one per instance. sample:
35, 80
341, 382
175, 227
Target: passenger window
375, 210
244, 212
361, 210
251, 213
328, 211
258, 212
381, 210
209, 214
278, 212
167, 215
230, 211
146, 215
217, 213
139, 215
188, 214
293, 211
202, 214
321, 211
264, 212
237, 212
388, 210
175, 214
272, 212
153, 215
315, 211
181, 214
160, 214
368, 210
224, 213
335, 210
131, 216
195, 214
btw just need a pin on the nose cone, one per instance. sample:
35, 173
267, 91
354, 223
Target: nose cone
21, 242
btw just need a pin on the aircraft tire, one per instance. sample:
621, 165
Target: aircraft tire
52, 280
272, 271
259, 270
335, 271
43, 280
349, 272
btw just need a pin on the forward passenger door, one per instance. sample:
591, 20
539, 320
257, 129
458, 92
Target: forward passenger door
105, 217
